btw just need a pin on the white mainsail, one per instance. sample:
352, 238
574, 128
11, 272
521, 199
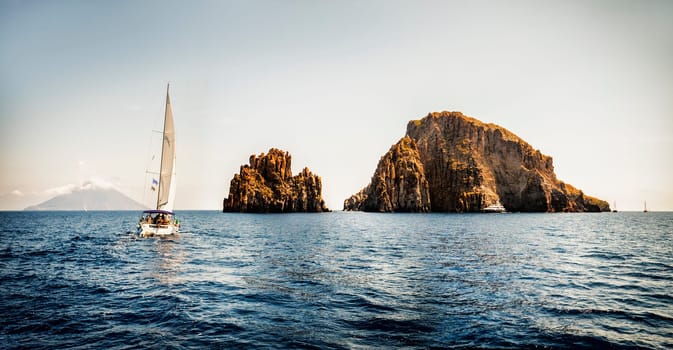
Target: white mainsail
166, 194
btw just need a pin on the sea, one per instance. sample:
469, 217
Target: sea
340, 280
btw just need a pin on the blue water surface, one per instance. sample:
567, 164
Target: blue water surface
337, 280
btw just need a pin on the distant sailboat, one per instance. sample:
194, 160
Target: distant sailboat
615, 207
162, 221
645, 210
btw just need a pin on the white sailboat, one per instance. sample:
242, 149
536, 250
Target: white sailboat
162, 221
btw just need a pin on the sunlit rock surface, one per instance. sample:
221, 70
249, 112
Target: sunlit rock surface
266, 185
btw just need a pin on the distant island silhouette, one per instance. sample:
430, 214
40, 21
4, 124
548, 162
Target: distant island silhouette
89, 197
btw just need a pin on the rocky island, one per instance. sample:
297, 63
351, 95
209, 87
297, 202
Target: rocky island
266, 185
449, 162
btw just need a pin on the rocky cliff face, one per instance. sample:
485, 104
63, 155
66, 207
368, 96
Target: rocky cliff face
266, 185
464, 165
398, 184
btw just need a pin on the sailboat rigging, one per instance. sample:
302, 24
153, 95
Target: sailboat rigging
162, 221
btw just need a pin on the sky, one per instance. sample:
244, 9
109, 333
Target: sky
83, 85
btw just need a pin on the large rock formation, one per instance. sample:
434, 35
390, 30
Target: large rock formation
266, 185
448, 162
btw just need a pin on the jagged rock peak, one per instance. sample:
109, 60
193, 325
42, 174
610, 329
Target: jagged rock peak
276, 163
266, 185
470, 165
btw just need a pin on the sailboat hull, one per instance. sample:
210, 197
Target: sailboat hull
157, 223
152, 230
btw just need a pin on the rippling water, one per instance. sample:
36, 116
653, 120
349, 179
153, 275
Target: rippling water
338, 280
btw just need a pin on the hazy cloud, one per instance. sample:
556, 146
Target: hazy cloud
55, 191
92, 183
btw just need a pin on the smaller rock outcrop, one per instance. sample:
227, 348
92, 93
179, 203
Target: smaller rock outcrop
266, 185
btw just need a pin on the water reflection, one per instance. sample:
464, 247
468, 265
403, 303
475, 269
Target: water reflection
168, 265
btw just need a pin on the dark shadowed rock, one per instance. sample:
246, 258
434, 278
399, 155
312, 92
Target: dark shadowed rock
467, 165
266, 185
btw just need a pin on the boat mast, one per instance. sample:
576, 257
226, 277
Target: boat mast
163, 134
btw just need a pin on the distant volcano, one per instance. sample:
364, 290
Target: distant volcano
89, 198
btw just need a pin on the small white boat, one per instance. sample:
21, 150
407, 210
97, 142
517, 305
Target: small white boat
162, 221
494, 208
